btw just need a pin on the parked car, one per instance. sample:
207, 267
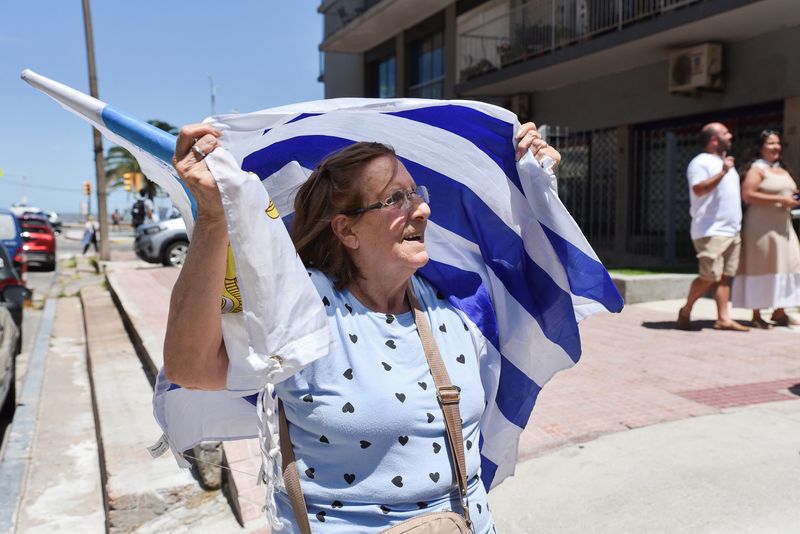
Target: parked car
55, 221
9, 336
12, 294
163, 242
10, 236
39, 240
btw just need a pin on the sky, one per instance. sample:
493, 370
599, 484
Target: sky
153, 60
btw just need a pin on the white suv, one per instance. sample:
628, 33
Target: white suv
163, 242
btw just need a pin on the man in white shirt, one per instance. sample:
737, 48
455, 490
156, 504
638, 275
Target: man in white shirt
716, 210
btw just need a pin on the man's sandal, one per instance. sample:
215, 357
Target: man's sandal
732, 326
684, 322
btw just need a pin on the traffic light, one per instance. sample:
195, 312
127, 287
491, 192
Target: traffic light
132, 181
87, 188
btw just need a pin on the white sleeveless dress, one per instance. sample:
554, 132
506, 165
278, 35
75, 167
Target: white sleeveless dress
769, 268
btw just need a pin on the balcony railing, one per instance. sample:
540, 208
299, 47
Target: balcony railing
539, 27
339, 13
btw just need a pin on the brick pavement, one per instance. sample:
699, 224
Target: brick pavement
637, 370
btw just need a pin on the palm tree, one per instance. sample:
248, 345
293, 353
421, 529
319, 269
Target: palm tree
119, 161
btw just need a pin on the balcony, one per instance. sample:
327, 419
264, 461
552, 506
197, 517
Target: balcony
355, 26
548, 44
540, 27
339, 13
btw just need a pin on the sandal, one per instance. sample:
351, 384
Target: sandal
733, 326
761, 324
785, 320
684, 321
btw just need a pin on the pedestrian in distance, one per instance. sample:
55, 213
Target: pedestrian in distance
716, 211
363, 464
143, 209
116, 219
769, 269
90, 230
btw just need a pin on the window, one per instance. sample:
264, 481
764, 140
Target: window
8, 230
382, 77
426, 58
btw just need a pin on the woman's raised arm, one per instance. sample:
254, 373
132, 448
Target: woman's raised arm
194, 352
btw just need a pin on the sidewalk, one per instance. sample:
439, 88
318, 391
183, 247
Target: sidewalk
76, 456
143, 291
723, 395
660, 430
638, 370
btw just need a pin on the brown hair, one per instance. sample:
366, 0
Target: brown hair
755, 152
334, 187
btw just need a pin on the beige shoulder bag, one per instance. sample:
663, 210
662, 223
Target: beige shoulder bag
429, 523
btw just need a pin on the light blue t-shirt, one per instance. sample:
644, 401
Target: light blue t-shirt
366, 427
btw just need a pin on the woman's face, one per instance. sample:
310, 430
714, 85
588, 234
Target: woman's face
771, 149
391, 240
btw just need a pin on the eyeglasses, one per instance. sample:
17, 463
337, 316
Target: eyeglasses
400, 199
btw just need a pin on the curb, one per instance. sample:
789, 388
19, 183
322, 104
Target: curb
211, 476
651, 287
150, 370
244, 496
14, 464
140, 492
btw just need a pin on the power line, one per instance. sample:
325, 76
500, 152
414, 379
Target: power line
26, 184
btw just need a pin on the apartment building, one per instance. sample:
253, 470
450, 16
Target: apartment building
622, 85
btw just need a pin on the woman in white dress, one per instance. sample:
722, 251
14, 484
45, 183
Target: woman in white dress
769, 269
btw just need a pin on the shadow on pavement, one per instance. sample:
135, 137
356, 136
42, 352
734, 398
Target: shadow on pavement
672, 325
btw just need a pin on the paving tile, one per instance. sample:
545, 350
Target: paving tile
636, 370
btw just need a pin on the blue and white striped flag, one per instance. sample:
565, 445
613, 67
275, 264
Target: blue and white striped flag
503, 248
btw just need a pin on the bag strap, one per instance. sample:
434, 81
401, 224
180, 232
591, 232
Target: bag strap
291, 476
449, 397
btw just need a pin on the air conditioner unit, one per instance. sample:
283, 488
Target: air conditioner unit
697, 67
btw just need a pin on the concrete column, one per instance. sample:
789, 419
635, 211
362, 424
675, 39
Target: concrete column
400, 63
450, 46
791, 133
344, 75
621, 208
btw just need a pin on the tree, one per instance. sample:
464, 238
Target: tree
119, 161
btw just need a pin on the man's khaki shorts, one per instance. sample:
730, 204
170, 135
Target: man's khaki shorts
718, 256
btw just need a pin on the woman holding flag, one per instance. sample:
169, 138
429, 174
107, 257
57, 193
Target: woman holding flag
385, 428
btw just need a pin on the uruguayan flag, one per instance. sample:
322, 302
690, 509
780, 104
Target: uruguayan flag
502, 246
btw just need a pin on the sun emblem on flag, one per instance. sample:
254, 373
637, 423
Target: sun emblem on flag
231, 296
272, 211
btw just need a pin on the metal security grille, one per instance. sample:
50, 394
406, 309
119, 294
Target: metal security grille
658, 214
587, 180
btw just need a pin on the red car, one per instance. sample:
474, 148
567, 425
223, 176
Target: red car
39, 240
12, 295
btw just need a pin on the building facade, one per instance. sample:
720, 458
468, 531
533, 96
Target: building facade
622, 85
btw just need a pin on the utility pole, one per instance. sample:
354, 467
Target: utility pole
100, 174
